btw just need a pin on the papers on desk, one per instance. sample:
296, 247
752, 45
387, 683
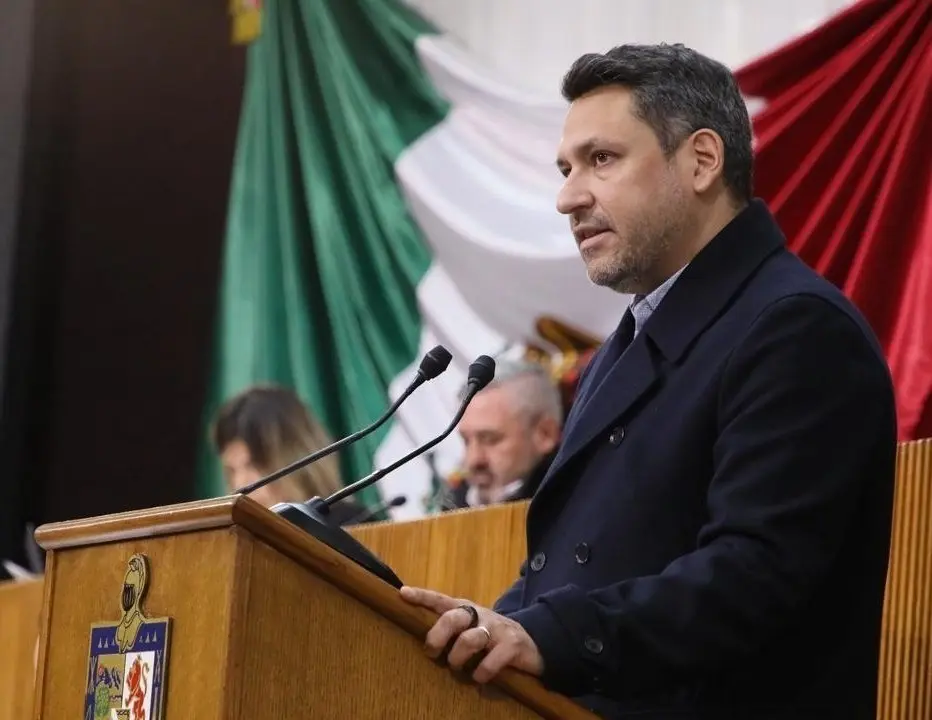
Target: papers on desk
34, 558
17, 572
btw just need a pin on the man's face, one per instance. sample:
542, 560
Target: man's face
502, 444
626, 201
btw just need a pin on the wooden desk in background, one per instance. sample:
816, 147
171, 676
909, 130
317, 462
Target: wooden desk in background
20, 612
474, 554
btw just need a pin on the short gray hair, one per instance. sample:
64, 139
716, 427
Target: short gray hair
536, 392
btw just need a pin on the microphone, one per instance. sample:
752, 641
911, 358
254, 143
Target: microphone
366, 515
312, 516
481, 373
432, 364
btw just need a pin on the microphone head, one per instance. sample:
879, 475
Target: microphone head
481, 372
398, 501
434, 362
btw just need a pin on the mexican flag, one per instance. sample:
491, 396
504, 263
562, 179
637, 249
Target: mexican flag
388, 194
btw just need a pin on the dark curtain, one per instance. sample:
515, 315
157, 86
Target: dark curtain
844, 157
15, 46
130, 123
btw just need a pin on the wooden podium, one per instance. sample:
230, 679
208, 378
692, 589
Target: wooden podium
266, 622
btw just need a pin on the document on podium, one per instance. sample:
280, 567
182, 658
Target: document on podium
18, 572
34, 556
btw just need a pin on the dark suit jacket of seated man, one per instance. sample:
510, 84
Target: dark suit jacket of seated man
711, 540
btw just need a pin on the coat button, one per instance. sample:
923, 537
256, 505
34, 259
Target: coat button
616, 436
537, 562
582, 553
594, 645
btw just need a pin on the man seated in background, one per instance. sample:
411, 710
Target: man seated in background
263, 429
510, 432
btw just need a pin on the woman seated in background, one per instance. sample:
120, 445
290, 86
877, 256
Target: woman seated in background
265, 428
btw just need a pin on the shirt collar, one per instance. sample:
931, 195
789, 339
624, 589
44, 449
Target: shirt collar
472, 494
643, 306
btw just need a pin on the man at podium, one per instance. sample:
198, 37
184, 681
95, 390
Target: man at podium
711, 539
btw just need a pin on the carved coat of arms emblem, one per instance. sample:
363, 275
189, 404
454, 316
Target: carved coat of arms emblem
128, 659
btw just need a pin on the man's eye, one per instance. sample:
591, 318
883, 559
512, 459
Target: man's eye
601, 158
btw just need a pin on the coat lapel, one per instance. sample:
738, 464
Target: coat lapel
632, 375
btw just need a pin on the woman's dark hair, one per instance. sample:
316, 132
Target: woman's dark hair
277, 429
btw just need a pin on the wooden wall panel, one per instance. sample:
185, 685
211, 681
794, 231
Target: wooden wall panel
905, 677
20, 611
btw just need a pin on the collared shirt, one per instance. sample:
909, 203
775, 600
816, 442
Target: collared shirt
472, 495
643, 306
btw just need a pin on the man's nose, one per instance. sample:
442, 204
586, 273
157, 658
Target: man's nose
573, 196
475, 457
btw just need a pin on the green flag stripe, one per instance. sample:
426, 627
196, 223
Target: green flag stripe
322, 258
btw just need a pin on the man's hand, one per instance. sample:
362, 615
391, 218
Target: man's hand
506, 642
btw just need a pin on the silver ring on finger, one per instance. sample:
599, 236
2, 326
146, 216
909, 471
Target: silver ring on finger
488, 635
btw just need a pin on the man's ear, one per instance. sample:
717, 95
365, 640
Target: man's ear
546, 435
707, 153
